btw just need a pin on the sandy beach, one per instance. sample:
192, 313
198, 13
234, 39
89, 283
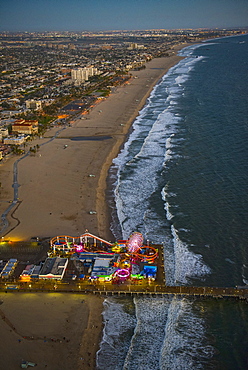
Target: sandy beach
56, 195
54, 331
56, 192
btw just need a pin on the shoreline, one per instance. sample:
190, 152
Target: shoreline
54, 185
102, 187
57, 193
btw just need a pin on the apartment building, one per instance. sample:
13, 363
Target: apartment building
33, 104
80, 75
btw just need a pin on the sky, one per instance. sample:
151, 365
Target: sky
95, 15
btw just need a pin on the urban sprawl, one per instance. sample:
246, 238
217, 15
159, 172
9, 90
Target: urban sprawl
51, 78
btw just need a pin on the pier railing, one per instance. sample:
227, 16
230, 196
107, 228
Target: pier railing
126, 289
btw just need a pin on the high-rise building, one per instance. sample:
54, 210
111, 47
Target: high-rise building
92, 71
80, 75
133, 46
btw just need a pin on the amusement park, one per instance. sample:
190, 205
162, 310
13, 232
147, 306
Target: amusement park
90, 264
98, 260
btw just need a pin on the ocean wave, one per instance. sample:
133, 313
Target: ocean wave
138, 172
183, 337
162, 333
119, 324
185, 345
144, 350
150, 147
187, 263
189, 50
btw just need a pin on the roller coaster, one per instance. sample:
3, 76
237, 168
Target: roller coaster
129, 255
88, 242
72, 244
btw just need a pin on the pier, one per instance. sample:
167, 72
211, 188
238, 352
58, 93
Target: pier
128, 290
81, 275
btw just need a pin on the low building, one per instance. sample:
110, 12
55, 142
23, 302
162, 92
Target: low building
30, 272
53, 268
8, 268
19, 121
5, 149
14, 140
33, 104
33, 122
4, 132
24, 128
101, 266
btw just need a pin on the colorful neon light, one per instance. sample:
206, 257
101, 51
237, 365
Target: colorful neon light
134, 242
123, 273
79, 248
153, 253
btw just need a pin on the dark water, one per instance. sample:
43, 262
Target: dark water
181, 180
210, 177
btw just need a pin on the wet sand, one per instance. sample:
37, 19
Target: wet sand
56, 195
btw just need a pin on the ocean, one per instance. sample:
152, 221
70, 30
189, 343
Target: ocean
181, 180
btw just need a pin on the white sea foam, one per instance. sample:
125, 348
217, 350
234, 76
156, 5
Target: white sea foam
170, 150
165, 195
150, 147
143, 167
118, 328
187, 264
164, 333
181, 342
184, 344
169, 215
144, 351
151, 144
188, 51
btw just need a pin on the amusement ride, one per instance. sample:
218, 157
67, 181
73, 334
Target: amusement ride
128, 259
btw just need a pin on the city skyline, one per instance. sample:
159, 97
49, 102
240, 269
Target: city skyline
95, 15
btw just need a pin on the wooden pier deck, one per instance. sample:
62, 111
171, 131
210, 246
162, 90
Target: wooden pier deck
153, 290
183, 291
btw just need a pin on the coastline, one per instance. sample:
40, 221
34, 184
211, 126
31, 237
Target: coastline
142, 84
55, 186
56, 189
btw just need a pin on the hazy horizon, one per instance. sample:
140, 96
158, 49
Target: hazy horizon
109, 15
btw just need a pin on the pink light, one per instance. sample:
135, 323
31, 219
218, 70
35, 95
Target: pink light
79, 248
123, 273
134, 243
